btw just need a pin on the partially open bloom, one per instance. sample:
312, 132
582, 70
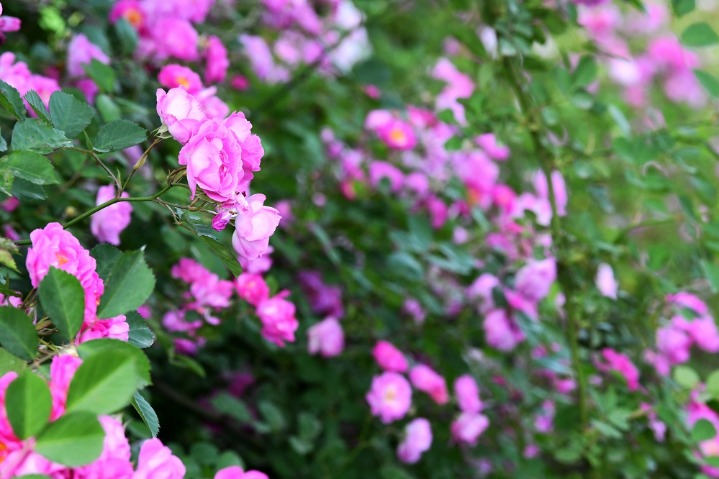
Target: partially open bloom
217, 61
179, 76
278, 319
623, 365
388, 357
468, 427
107, 224
467, 392
417, 440
427, 380
254, 227
236, 472
156, 460
326, 338
252, 288
8, 24
180, 112
390, 396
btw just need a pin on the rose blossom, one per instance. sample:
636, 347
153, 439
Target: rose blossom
468, 427
254, 227
389, 358
417, 440
390, 396
180, 112
427, 380
278, 319
107, 224
252, 288
236, 472
326, 338
467, 392
156, 460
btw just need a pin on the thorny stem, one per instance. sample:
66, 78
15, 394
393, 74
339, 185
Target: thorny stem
548, 164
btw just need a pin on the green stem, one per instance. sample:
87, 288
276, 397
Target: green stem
139, 164
104, 205
561, 246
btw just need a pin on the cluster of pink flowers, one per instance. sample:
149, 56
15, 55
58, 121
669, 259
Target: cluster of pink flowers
691, 324
325, 338
664, 59
221, 156
276, 313
390, 399
54, 247
18, 458
305, 37
18, 75
107, 224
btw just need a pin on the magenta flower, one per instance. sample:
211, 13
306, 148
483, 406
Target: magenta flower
389, 358
390, 397
216, 60
326, 338
467, 392
397, 134
180, 112
468, 427
8, 24
81, 52
156, 460
278, 319
236, 472
179, 76
254, 227
427, 380
417, 440
252, 288
107, 224
535, 279
176, 38
623, 365
500, 330
114, 461
488, 142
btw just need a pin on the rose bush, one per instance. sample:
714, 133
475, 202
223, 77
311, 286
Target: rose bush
340, 238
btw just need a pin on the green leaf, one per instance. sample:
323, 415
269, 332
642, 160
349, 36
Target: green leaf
8, 363
712, 384
708, 81
272, 415
148, 415
69, 114
233, 407
36, 135
34, 476
28, 403
140, 334
142, 364
699, 35
7, 249
106, 256
129, 283
17, 333
30, 166
118, 135
711, 272
75, 439
11, 101
127, 36
682, 7
63, 298
104, 383
37, 104
685, 377
703, 430
103, 75
585, 73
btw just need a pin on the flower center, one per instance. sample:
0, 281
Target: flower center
61, 259
397, 135
183, 82
133, 17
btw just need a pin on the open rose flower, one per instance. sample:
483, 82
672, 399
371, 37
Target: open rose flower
181, 112
254, 227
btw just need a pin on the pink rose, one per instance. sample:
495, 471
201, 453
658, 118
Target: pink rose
114, 461
389, 358
254, 227
236, 472
326, 338
278, 319
212, 157
467, 392
468, 427
178, 76
156, 460
81, 52
180, 112
417, 440
623, 365
252, 288
390, 397
62, 370
397, 134
107, 224
8, 24
175, 37
427, 380
217, 61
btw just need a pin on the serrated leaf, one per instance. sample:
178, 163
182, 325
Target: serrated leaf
69, 114
140, 334
37, 105
148, 415
142, 364
17, 333
35, 135
118, 135
105, 256
75, 439
128, 285
104, 383
63, 298
28, 403
699, 35
30, 166
9, 362
11, 101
